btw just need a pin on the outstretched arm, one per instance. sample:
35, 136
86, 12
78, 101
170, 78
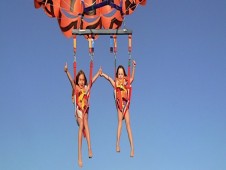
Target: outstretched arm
95, 77
69, 77
133, 72
109, 79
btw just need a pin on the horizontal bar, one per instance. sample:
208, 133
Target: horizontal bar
101, 32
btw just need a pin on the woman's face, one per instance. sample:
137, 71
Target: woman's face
81, 81
120, 73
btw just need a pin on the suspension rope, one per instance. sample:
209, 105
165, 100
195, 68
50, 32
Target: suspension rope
91, 54
129, 88
129, 60
115, 54
74, 63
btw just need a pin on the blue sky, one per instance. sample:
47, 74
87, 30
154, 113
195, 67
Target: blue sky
178, 109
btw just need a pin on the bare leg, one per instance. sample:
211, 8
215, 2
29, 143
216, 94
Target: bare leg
88, 135
129, 131
80, 121
119, 130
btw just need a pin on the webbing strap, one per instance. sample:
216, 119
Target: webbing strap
74, 63
130, 43
91, 53
115, 43
129, 88
91, 44
115, 53
74, 44
113, 49
129, 66
129, 60
90, 73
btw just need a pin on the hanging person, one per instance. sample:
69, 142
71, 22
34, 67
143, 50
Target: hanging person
80, 97
122, 95
122, 91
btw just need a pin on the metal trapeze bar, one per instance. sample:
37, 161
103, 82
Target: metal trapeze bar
102, 32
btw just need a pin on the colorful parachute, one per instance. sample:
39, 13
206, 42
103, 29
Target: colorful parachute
88, 14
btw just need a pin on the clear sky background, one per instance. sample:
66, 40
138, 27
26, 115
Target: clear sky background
178, 109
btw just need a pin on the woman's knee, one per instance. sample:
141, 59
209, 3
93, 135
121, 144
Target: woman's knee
80, 123
127, 120
120, 120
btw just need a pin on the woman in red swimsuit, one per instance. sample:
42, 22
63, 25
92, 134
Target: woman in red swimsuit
122, 99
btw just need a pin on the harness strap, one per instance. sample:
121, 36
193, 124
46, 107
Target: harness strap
126, 107
91, 44
128, 86
83, 96
122, 102
115, 54
74, 63
130, 43
91, 53
74, 69
118, 93
129, 60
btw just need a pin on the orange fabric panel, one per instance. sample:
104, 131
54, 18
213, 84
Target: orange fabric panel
51, 9
68, 24
37, 3
95, 24
95, 12
73, 7
112, 22
141, 2
128, 6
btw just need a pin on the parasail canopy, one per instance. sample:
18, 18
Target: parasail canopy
88, 14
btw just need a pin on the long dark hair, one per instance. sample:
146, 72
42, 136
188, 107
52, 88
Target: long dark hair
124, 71
77, 77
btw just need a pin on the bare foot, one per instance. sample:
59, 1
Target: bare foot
90, 153
117, 148
80, 163
132, 153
